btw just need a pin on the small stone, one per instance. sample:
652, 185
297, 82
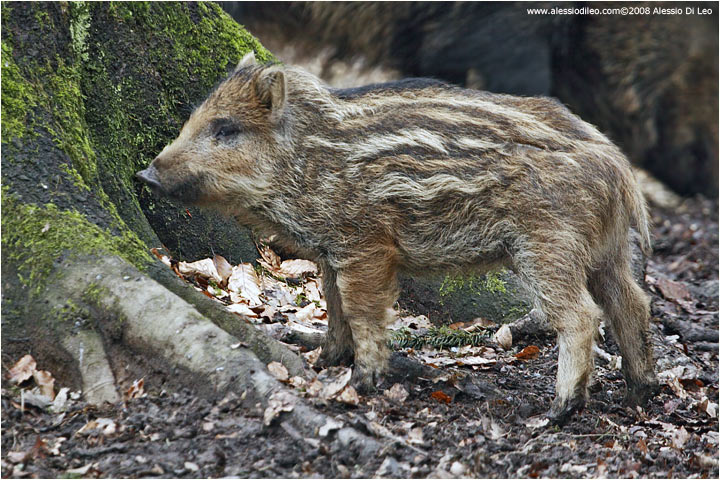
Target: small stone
389, 468
191, 466
457, 469
157, 470
343, 471
418, 459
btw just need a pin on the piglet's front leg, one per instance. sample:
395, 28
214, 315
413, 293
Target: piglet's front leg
368, 289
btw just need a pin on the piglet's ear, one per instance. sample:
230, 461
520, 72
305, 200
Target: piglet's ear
247, 60
271, 91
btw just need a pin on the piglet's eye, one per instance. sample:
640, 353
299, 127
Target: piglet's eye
226, 131
224, 128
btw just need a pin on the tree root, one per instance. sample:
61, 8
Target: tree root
98, 381
689, 331
531, 325
267, 349
136, 311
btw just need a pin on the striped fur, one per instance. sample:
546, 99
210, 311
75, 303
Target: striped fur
420, 176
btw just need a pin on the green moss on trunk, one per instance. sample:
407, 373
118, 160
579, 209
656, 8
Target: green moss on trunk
136, 106
34, 237
91, 92
17, 97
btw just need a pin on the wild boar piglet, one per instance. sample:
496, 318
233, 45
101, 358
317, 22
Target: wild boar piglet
424, 177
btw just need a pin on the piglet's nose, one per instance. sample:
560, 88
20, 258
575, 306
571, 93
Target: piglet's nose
149, 176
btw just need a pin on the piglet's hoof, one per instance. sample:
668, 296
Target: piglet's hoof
366, 381
560, 413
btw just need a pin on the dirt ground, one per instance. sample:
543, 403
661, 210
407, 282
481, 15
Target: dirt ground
495, 428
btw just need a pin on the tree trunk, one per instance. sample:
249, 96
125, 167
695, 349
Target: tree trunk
91, 92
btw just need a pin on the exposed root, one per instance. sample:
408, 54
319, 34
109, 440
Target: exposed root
98, 381
138, 312
531, 325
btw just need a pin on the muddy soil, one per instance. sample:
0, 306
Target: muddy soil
495, 429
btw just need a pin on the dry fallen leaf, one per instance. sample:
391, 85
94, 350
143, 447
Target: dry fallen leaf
379, 430
397, 393
81, 472
297, 382
296, 268
136, 390
528, 353
311, 288
59, 404
482, 322
314, 387
349, 396
223, 268
706, 406
278, 371
306, 313
440, 396
17, 457
679, 437
46, 382
673, 291
35, 398
103, 426
278, 402
495, 430
503, 337
478, 361
412, 322
242, 309
244, 285
202, 268
313, 355
300, 328
269, 257
642, 446
265, 311
23, 369
155, 251
537, 422
334, 380
706, 461
575, 470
